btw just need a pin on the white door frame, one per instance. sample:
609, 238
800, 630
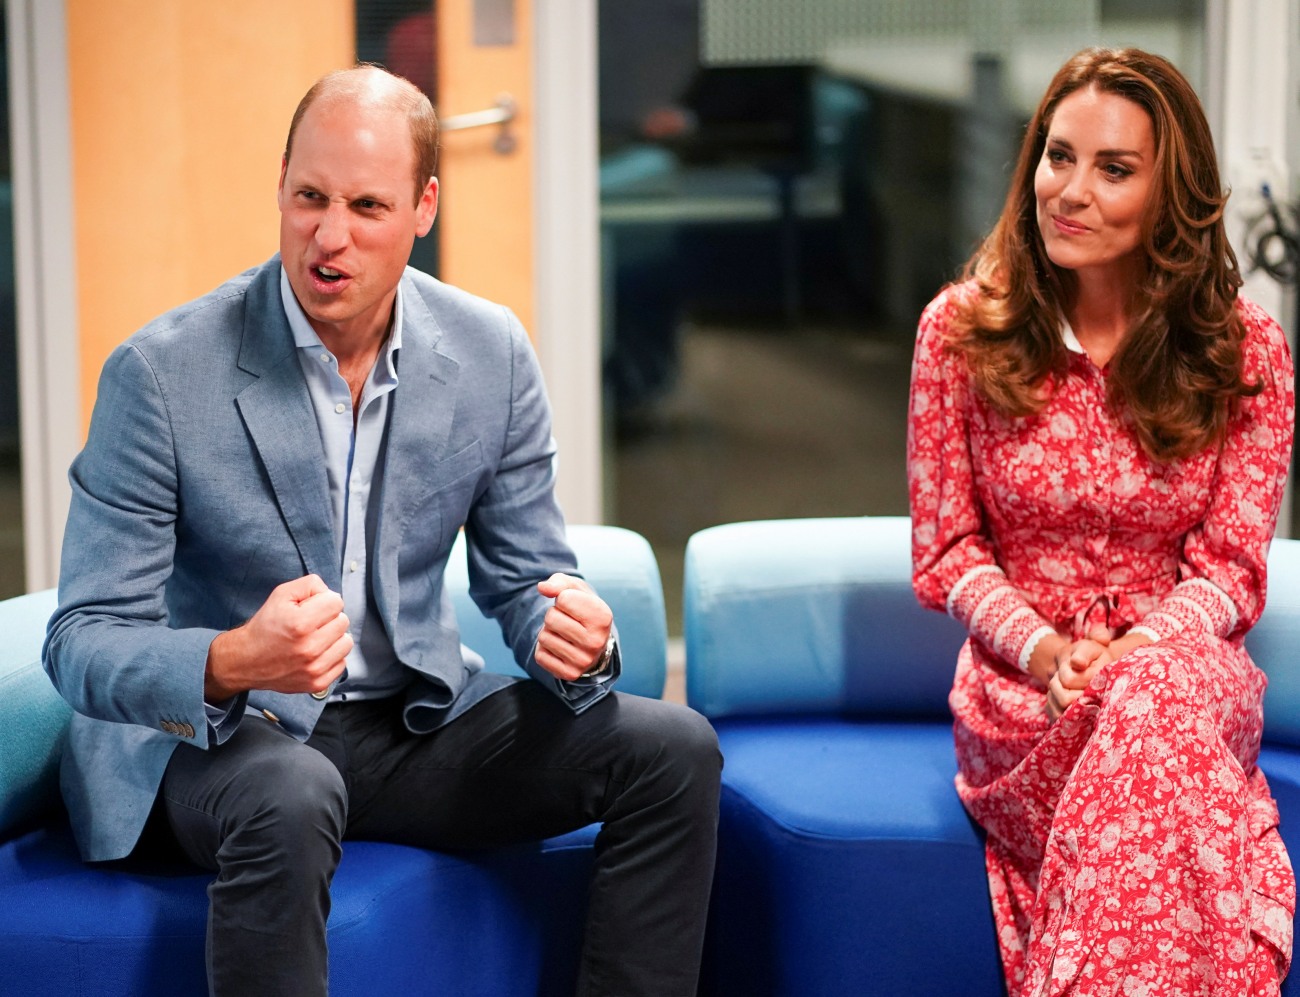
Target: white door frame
566, 198
49, 372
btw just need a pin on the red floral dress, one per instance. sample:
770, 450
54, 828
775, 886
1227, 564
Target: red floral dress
1132, 846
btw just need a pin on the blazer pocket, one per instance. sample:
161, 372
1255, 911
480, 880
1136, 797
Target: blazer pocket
451, 469
440, 485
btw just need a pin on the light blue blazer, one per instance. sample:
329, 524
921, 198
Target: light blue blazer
202, 486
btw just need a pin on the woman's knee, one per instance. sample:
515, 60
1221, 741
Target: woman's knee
1201, 688
1152, 675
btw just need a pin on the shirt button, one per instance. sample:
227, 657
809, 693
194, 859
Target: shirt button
340, 408
324, 358
352, 566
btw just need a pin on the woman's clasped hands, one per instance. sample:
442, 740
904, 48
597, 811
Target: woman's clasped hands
1076, 663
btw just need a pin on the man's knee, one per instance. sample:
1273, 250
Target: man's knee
671, 739
296, 793
259, 799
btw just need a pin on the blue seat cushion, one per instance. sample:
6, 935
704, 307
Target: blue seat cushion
1281, 764
846, 864
404, 920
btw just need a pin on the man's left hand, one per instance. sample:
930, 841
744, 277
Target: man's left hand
576, 628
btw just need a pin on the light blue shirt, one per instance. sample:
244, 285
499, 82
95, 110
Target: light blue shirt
352, 443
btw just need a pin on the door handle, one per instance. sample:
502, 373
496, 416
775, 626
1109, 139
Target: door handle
501, 113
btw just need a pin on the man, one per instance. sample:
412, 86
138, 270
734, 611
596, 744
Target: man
252, 627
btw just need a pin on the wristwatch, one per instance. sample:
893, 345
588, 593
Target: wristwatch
602, 663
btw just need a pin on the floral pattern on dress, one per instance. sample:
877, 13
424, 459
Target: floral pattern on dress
1132, 846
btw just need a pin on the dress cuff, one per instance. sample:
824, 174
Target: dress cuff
1197, 605
1027, 651
995, 613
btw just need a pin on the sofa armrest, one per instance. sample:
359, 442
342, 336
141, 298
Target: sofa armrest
621, 566
33, 717
812, 616
1274, 643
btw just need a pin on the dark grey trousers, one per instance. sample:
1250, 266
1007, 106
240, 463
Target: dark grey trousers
268, 813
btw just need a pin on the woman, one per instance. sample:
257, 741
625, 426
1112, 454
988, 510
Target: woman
1099, 435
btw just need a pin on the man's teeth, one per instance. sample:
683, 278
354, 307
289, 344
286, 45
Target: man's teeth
328, 274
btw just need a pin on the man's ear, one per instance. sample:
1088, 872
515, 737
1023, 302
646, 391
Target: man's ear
279, 189
427, 208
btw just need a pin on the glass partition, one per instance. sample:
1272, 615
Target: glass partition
783, 188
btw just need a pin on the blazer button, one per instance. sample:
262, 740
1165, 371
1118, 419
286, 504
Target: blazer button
320, 695
187, 730
168, 726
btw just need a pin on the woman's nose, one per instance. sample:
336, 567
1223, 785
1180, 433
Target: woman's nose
1077, 189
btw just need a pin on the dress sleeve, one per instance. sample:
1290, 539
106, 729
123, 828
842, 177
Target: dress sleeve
1223, 574
954, 564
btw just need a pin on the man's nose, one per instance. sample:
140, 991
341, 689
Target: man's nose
332, 232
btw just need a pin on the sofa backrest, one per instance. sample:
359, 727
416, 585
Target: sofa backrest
1274, 643
818, 616
812, 616
34, 718
621, 566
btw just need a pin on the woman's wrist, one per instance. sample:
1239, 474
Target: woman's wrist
1042, 662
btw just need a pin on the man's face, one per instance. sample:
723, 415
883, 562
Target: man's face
347, 222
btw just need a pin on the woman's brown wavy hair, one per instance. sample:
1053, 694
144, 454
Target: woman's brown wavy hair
1179, 369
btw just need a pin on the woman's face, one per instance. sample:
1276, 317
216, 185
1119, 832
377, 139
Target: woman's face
1093, 182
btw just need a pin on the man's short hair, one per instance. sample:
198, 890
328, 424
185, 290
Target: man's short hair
367, 82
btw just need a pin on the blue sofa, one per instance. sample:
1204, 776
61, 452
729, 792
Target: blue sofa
493, 923
846, 864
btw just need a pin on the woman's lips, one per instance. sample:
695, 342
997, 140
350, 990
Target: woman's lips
1067, 227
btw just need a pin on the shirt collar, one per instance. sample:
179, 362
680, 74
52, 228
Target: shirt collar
1069, 338
305, 338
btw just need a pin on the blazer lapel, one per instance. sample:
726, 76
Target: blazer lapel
278, 414
419, 423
